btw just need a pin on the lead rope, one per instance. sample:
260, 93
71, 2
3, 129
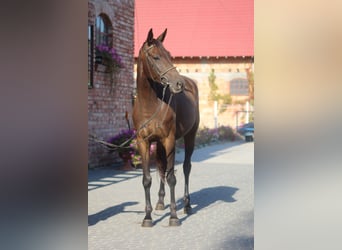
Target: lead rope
114, 147
155, 113
163, 116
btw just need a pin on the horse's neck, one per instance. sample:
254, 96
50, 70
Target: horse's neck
146, 95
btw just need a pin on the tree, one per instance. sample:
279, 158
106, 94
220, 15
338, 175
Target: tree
250, 78
214, 96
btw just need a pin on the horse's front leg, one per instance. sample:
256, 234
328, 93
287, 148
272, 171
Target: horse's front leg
171, 180
147, 181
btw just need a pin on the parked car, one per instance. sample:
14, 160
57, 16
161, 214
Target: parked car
247, 130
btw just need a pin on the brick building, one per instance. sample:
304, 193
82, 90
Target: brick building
204, 36
110, 22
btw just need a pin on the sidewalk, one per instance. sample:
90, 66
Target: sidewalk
221, 190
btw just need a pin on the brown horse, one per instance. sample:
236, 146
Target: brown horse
165, 110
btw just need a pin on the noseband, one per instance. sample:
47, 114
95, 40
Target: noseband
161, 74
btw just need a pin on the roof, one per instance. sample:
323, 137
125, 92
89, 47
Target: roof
198, 27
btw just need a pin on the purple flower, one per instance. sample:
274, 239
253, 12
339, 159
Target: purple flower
123, 139
110, 55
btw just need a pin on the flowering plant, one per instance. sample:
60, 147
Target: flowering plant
123, 141
126, 144
136, 157
109, 56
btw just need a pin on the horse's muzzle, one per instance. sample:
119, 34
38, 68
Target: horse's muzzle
177, 87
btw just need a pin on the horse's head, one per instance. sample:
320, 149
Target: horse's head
157, 65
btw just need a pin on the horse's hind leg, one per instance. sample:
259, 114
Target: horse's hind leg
189, 141
161, 194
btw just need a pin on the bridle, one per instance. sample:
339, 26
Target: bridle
165, 82
161, 73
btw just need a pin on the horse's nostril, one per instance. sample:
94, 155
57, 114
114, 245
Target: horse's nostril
179, 85
164, 79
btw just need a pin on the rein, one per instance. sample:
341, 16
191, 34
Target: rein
115, 147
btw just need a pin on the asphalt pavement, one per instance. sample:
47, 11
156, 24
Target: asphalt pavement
222, 198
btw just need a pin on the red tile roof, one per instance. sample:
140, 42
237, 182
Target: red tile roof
198, 27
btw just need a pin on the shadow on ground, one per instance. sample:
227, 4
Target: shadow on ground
245, 228
243, 242
102, 177
204, 198
109, 212
200, 200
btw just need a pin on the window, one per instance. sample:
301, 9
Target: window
239, 86
103, 30
90, 55
103, 35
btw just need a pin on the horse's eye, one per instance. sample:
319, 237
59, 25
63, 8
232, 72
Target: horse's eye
156, 57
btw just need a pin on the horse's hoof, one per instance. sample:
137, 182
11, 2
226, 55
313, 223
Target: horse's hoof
147, 223
160, 206
188, 210
174, 222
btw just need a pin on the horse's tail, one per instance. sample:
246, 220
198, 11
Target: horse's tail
161, 167
160, 156
162, 172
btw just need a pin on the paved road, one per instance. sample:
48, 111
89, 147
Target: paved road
221, 189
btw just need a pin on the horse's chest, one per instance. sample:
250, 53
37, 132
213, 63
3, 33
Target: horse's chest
157, 129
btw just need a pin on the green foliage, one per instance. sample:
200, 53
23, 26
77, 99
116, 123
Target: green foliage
250, 76
204, 136
225, 133
214, 96
211, 79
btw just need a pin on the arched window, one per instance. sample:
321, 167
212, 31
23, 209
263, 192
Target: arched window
103, 31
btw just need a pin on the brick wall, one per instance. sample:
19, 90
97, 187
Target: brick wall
106, 108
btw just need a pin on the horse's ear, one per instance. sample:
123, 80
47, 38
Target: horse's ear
149, 37
161, 37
